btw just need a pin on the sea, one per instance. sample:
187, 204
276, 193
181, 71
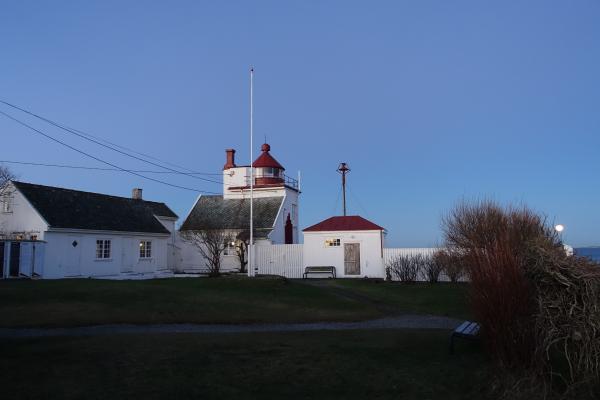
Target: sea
592, 253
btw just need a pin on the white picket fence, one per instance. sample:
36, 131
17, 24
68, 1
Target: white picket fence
280, 259
286, 259
390, 253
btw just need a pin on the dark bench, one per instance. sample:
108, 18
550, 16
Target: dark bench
319, 270
467, 330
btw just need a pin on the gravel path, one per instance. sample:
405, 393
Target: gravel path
397, 322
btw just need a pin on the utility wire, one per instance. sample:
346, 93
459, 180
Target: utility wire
88, 168
85, 136
99, 159
355, 197
337, 200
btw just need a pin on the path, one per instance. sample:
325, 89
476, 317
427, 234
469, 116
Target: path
398, 322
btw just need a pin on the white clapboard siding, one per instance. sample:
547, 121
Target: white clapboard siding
280, 259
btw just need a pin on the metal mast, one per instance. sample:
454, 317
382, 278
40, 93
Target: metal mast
250, 255
343, 169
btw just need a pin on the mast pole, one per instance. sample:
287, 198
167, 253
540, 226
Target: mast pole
251, 251
343, 169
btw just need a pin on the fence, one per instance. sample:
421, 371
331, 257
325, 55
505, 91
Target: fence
391, 253
286, 259
280, 259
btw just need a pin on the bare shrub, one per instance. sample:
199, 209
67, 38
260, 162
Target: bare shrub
568, 312
531, 299
405, 268
432, 269
451, 262
211, 243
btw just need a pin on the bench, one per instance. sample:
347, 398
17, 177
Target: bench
467, 330
319, 270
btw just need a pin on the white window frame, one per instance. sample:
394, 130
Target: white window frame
7, 203
145, 250
103, 249
333, 242
228, 249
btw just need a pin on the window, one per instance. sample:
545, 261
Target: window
145, 249
332, 242
102, 249
229, 248
6, 203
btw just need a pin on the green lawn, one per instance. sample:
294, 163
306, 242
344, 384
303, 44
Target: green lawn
76, 302
407, 364
442, 298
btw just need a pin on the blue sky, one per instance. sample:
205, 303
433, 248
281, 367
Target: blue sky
429, 102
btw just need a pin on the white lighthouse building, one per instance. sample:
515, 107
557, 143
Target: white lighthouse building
275, 208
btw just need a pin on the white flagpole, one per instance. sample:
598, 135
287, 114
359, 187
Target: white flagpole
250, 253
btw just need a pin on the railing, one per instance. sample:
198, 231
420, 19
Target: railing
291, 182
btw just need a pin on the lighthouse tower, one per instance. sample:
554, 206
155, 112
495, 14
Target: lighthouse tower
270, 184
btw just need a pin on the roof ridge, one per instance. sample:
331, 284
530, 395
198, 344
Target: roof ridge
87, 192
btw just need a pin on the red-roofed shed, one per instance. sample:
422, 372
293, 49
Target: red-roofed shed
344, 223
351, 244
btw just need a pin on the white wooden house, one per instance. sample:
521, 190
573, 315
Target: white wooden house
275, 209
351, 244
88, 234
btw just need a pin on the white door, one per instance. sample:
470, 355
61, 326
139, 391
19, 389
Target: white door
127, 254
26, 260
72, 256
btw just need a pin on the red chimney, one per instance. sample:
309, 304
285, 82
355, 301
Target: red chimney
230, 159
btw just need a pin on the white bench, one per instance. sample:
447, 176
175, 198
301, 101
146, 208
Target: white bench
467, 330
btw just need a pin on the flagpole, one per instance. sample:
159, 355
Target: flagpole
250, 253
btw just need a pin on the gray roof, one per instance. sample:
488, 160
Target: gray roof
215, 212
74, 209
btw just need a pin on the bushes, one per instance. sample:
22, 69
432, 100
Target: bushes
531, 299
405, 268
413, 267
451, 263
432, 269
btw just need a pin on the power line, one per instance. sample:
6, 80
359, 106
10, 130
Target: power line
355, 197
88, 168
99, 159
98, 142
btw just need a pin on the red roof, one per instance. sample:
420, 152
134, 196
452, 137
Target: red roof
348, 223
266, 160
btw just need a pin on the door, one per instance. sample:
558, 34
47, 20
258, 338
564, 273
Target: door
352, 258
127, 254
15, 259
72, 256
26, 256
2, 260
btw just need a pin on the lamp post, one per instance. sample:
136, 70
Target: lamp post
559, 228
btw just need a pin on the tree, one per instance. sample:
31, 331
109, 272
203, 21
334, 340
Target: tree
242, 241
5, 175
211, 243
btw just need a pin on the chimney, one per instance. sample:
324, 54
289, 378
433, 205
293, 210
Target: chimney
136, 194
230, 159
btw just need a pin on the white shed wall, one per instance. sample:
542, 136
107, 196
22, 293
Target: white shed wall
371, 260
62, 259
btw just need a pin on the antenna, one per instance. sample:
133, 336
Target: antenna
343, 169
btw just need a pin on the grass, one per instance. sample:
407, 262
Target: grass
408, 364
78, 302
442, 298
